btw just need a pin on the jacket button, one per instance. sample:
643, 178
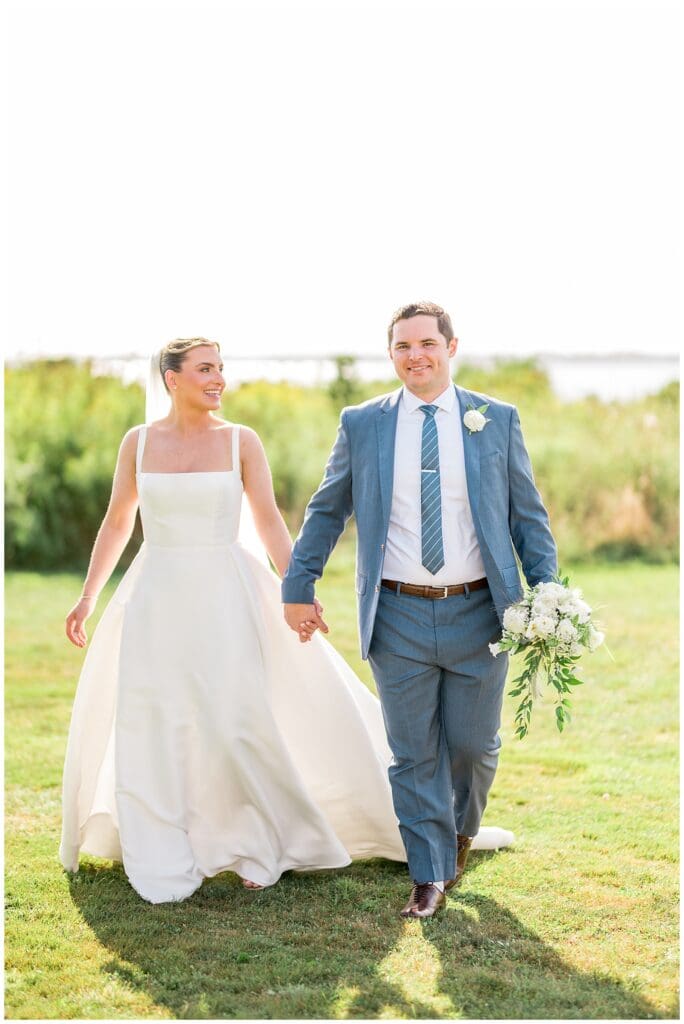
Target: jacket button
382, 547
377, 589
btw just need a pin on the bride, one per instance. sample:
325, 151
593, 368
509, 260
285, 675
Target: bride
204, 736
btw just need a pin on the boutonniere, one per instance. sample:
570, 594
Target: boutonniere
475, 419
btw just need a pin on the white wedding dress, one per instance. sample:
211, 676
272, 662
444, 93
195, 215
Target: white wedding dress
204, 737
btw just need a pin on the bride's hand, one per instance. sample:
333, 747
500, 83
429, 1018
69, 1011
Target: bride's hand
76, 619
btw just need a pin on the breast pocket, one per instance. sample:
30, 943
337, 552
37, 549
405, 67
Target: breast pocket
491, 460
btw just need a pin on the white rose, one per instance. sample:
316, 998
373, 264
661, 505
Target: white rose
541, 625
582, 611
569, 609
474, 420
544, 606
596, 638
575, 649
495, 649
515, 619
566, 631
551, 591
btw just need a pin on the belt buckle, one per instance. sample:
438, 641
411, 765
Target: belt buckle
445, 594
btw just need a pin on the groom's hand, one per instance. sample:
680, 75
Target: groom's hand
305, 619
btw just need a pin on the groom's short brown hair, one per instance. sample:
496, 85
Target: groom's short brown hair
424, 309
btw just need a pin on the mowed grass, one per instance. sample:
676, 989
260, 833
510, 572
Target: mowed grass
577, 920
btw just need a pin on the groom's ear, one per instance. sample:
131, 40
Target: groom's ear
452, 346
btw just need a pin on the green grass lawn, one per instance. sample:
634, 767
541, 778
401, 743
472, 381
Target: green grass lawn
577, 920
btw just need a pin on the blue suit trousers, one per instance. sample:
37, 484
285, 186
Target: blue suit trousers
441, 692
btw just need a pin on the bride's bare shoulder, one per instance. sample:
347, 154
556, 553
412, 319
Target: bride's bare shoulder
251, 446
129, 447
130, 438
248, 435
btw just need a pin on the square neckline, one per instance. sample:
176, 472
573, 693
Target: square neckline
235, 456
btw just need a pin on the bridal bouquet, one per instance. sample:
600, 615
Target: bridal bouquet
552, 624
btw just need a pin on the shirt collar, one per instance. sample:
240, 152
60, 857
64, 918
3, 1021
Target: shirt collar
444, 401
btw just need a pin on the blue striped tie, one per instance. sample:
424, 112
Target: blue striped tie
432, 548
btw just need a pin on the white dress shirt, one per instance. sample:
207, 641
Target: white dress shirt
462, 558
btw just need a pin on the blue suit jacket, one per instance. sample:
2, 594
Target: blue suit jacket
508, 513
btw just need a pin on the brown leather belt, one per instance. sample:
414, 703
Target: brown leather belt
434, 593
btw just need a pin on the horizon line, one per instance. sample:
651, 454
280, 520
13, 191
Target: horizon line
380, 357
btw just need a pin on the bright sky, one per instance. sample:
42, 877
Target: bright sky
279, 177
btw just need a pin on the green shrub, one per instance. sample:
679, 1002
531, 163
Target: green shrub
63, 431
609, 476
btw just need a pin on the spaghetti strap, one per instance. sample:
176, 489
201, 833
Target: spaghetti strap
236, 448
142, 433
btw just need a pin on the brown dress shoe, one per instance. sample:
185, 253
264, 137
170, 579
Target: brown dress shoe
425, 900
464, 843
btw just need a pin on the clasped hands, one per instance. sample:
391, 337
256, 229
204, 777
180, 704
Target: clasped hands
305, 619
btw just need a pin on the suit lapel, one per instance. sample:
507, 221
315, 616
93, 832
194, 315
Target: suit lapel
471, 451
386, 427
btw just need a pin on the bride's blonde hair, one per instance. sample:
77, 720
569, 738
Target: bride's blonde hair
173, 355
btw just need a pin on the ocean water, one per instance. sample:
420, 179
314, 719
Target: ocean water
614, 379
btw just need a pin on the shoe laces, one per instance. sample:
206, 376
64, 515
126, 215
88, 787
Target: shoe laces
421, 889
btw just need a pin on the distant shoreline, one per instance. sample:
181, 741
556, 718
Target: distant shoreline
582, 357
621, 377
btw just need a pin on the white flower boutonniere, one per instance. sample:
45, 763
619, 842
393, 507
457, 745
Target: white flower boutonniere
475, 419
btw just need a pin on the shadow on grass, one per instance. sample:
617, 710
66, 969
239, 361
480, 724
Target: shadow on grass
331, 944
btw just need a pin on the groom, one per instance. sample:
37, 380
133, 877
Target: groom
444, 497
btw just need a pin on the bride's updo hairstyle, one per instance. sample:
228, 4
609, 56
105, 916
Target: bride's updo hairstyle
173, 355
